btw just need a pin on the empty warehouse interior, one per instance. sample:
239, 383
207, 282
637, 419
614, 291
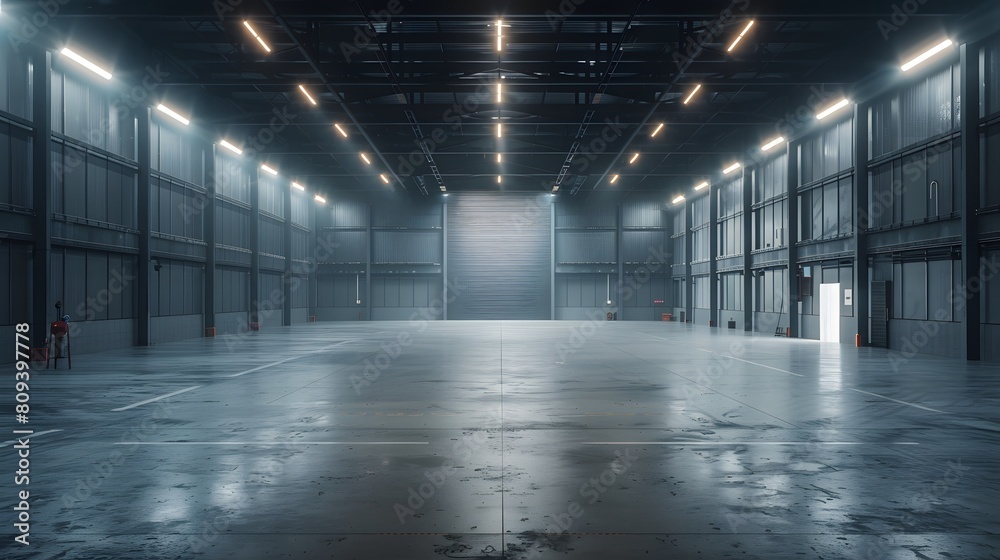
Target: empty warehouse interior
520, 280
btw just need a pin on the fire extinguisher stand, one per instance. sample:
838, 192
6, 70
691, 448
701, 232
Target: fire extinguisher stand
59, 346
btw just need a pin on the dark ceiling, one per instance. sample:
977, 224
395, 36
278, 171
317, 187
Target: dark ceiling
585, 81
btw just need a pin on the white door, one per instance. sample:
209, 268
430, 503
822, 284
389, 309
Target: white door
829, 312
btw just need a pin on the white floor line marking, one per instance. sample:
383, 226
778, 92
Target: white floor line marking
154, 399
898, 401
26, 436
272, 443
279, 362
734, 358
754, 363
681, 443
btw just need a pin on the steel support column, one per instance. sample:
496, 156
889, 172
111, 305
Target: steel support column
144, 159
792, 227
254, 174
41, 228
749, 187
862, 282
971, 265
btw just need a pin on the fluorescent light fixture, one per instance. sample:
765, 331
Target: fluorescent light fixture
499, 35
267, 169
499, 179
86, 63
297, 186
832, 109
365, 159
499, 158
691, 96
499, 130
256, 36
306, 93
740, 38
499, 92
225, 144
731, 168
657, 131
340, 130
319, 199
445, 194
614, 179
384, 178
773, 144
701, 186
635, 156
164, 109
933, 51
555, 188
679, 199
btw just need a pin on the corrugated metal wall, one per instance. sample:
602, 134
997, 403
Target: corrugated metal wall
586, 247
501, 259
406, 247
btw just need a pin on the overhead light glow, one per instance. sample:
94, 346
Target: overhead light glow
256, 36
340, 130
306, 93
225, 144
679, 199
297, 186
614, 179
555, 189
384, 178
773, 144
923, 57
499, 158
173, 114
266, 168
499, 179
657, 131
499, 130
740, 38
86, 63
499, 92
691, 96
832, 109
319, 199
635, 156
499, 35
365, 159
731, 168
701, 186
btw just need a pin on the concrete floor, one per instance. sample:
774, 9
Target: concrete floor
510, 440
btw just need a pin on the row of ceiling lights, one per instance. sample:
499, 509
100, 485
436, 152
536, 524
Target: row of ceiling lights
659, 127
770, 145
337, 126
225, 143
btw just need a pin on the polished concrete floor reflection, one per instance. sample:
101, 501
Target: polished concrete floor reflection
509, 440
